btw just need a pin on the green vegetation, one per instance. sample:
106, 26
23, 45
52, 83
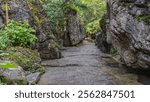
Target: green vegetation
26, 58
92, 16
17, 38
38, 20
145, 18
113, 51
89, 12
7, 65
55, 12
2, 83
17, 34
7, 81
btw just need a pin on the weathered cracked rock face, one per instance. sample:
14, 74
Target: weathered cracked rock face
33, 12
74, 30
129, 31
101, 37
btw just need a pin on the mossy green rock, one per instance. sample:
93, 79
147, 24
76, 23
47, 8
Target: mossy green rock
27, 63
28, 59
13, 76
145, 18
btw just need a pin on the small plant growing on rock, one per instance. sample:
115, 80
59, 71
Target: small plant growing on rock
145, 18
113, 51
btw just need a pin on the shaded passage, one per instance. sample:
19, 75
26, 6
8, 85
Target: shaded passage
84, 65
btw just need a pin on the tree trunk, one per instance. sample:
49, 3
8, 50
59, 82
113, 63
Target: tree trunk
6, 9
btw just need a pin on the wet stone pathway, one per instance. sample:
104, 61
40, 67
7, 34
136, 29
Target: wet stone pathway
84, 65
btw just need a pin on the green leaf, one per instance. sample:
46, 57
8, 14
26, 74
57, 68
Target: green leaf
8, 65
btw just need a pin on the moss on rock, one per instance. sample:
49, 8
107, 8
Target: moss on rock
6, 81
35, 12
145, 18
28, 59
12, 76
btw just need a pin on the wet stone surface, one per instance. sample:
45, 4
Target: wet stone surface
84, 65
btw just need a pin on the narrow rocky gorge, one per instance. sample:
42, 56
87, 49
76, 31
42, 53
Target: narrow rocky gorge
119, 56
85, 65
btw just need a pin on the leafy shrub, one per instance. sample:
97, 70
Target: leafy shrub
4, 40
55, 12
17, 34
92, 28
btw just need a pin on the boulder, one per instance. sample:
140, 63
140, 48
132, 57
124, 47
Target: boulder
18, 76
129, 30
33, 78
26, 65
13, 76
74, 31
32, 11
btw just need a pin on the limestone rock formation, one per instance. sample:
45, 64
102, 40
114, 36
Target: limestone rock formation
101, 37
74, 31
32, 11
129, 31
